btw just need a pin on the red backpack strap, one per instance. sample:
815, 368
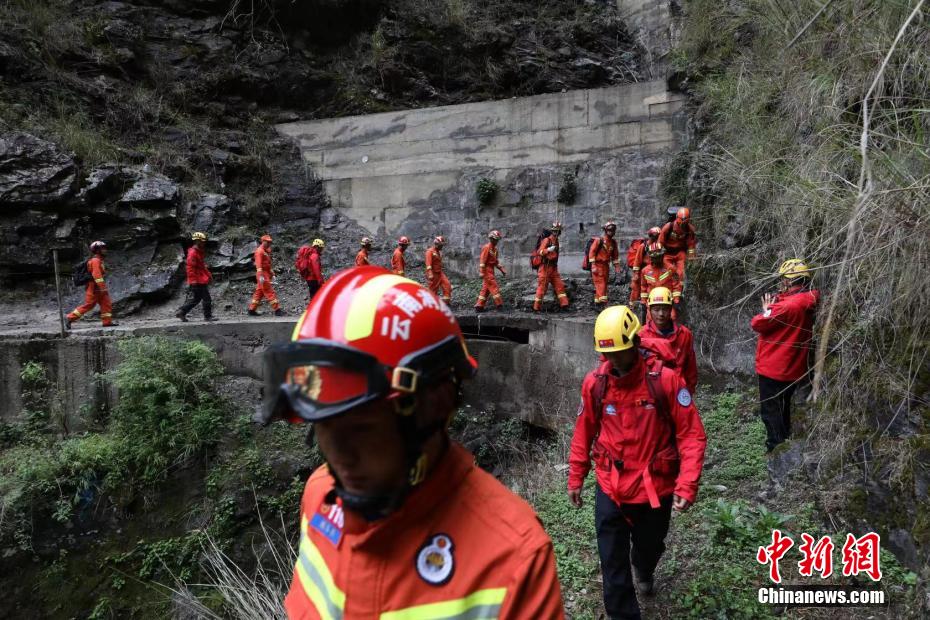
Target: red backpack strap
598, 394
659, 397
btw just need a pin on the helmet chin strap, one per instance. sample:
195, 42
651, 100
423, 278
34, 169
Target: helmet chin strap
378, 506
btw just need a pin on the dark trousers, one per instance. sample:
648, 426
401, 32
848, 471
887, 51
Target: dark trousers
195, 294
617, 527
775, 409
313, 287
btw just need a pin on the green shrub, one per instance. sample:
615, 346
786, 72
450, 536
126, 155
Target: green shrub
568, 191
486, 190
168, 411
168, 407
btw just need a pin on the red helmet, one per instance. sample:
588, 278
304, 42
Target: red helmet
655, 249
494, 234
440, 240
367, 335
266, 238
654, 232
96, 246
683, 214
404, 241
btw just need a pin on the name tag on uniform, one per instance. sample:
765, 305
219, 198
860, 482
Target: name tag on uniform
328, 522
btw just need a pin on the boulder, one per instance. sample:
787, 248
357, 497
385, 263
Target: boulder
151, 191
34, 172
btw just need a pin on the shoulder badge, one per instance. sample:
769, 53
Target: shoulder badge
435, 563
684, 397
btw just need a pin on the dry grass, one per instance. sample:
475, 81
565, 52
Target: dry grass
816, 146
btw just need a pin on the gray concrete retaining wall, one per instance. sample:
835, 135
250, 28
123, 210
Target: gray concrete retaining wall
415, 172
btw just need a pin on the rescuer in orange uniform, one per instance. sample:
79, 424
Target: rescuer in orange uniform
640, 260
661, 326
658, 274
548, 272
400, 523
435, 278
398, 264
486, 264
638, 423
679, 240
198, 279
264, 276
96, 290
361, 259
603, 252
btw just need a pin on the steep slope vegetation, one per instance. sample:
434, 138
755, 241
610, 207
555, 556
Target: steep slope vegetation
810, 134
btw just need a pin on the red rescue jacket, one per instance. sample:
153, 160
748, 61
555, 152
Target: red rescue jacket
461, 546
197, 271
785, 333
315, 267
629, 432
682, 342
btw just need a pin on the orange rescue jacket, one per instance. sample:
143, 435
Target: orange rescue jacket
433, 263
398, 265
262, 264
652, 276
461, 546
488, 260
675, 238
361, 259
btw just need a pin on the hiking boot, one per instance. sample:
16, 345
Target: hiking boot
210, 319
112, 325
280, 312
253, 313
68, 324
479, 309
645, 585
181, 316
564, 309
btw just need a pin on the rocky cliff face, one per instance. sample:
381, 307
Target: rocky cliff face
138, 122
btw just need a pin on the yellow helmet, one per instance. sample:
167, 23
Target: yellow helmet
659, 296
199, 236
614, 329
318, 243
794, 268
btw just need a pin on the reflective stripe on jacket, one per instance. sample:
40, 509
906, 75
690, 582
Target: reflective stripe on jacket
462, 546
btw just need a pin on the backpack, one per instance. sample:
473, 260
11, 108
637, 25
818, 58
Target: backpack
535, 258
302, 264
653, 382
585, 261
80, 274
633, 251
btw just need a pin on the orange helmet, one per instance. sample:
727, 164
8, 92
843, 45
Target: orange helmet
404, 241
654, 232
655, 249
494, 234
683, 214
440, 240
608, 225
266, 238
367, 335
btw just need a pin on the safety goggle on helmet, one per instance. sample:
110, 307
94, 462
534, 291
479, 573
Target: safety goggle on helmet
367, 335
